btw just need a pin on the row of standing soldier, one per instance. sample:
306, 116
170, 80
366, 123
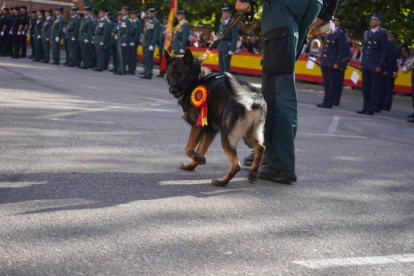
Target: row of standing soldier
92, 39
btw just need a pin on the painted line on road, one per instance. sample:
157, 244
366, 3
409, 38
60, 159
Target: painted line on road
191, 182
62, 114
89, 87
356, 261
336, 135
334, 125
82, 121
158, 100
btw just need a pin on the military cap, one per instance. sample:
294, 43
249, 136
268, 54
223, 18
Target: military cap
393, 34
119, 13
33, 12
74, 8
109, 13
42, 10
166, 17
95, 12
182, 12
5, 8
336, 17
226, 9
103, 10
59, 9
134, 12
23, 7
87, 8
48, 10
17, 8
378, 15
152, 10
126, 8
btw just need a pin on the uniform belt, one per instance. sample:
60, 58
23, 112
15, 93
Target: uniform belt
147, 37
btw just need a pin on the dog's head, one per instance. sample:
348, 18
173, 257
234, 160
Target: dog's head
182, 72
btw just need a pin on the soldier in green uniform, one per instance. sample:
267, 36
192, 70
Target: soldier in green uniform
107, 50
56, 35
114, 42
162, 40
124, 39
102, 35
95, 17
38, 35
85, 38
136, 28
181, 33
285, 24
72, 32
227, 45
47, 25
151, 34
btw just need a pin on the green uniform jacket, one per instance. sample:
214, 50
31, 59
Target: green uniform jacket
124, 31
229, 41
151, 32
136, 27
102, 32
86, 29
47, 25
57, 27
162, 34
115, 29
72, 29
39, 24
180, 39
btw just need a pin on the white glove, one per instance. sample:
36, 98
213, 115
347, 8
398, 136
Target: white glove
231, 53
73, 39
116, 37
47, 39
102, 44
151, 48
2, 33
11, 32
124, 44
181, 51
28, 32
57, 39
93, 38
39, 37
86, 41
19, 33
23, 33
131, 44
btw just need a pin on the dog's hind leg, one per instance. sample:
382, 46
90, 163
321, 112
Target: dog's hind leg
202, 150
254, 139
230, 148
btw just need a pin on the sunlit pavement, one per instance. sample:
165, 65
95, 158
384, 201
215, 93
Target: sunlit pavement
90, 185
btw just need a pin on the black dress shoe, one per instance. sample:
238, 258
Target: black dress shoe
97, 69
14, 56
361, 112
130, 73
410, 116
160, 76
117, 73
82, 67
410, 121
45, 61
69, 65
146, 77
31, 56
370, 113
55, 63
142, 73
335, 104
248, 161
277, 175
324, 105
387, 109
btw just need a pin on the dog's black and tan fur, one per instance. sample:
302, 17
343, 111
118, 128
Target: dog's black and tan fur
236, 109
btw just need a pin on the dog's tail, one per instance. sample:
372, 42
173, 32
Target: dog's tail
241, 94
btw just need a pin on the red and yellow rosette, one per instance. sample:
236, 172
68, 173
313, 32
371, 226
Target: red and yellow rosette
199, 100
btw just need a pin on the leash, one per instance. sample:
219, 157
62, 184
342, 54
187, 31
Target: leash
250, 15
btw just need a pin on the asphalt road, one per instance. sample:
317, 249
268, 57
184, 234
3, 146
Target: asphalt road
90, 185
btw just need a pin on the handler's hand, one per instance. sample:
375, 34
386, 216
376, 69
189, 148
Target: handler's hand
378, 70
241, 7
385, 73
318, 23
336, 66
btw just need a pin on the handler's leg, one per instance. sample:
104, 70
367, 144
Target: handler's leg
278, 88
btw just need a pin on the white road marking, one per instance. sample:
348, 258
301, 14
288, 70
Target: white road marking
82, 121
334, 125
192, 182
37, 77
90, 87
336, 135
158, 100
355, 261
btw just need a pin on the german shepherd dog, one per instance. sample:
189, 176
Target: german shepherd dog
235, 108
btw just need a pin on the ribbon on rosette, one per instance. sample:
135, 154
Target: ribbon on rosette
199, 100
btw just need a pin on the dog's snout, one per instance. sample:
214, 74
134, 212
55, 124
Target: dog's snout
173, 90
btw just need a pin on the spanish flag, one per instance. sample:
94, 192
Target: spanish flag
168, 32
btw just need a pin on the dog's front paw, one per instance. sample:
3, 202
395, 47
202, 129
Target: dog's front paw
219, 183
252, 177
189, 166
201, 160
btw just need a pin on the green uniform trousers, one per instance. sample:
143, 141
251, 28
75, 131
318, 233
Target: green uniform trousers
132, 58
224, 61
100, 56
46, 50
122, 57
39, 49
86, 50
148, 61
56, 51
285, 24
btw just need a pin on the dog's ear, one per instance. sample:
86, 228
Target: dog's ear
168, 56
188, 57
